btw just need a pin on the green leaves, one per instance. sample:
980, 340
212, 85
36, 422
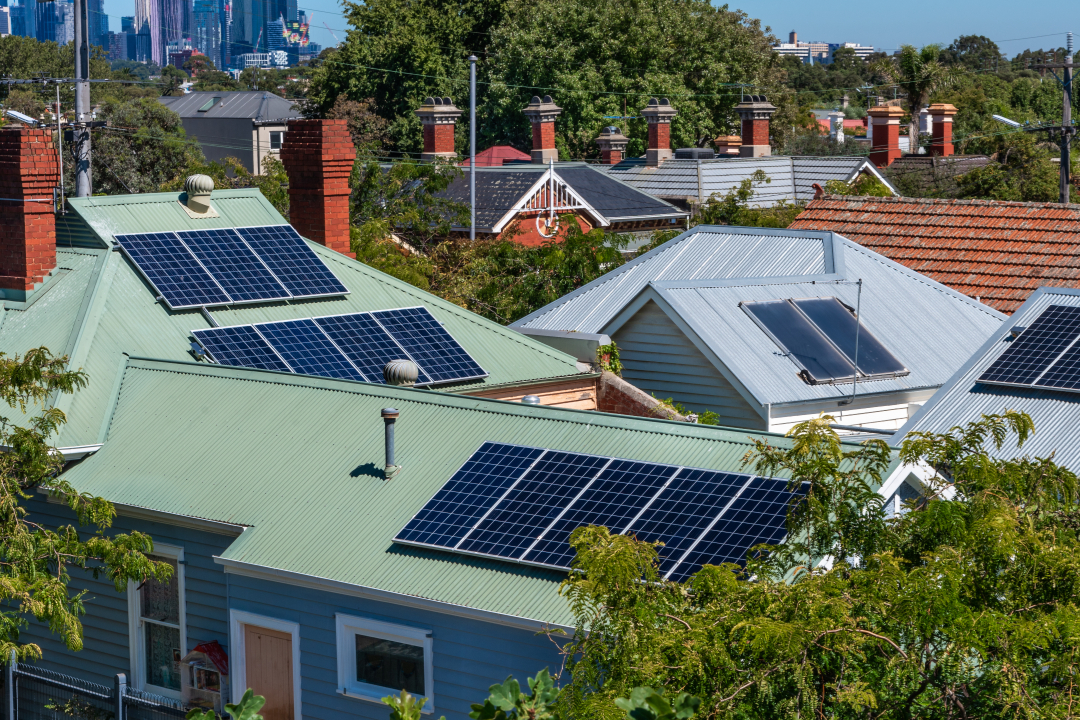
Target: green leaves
405, 706
646, 703
247, 709
507, 702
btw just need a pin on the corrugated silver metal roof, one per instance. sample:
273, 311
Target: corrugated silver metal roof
703, 275
1056, 414
253, 104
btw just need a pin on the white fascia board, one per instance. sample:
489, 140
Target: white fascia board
519, 206
288, 577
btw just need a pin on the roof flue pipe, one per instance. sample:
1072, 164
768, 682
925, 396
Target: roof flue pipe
390, 416
402, 373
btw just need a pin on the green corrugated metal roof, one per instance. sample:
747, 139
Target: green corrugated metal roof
101, 308
299, 459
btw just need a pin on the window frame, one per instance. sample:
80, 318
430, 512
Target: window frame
349, 626
136, 623
281, 140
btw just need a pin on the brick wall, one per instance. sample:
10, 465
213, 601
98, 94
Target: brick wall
29, 169
543, 136
439, 138
659, 136
318, 157
615, 395
755, 132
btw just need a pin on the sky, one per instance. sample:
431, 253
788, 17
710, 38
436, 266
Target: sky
1012, 25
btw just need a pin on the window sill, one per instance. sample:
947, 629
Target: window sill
357, 694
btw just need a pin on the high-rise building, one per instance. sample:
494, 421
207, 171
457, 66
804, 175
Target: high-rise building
117, 48
275, 34
5, 20
206, 30
99, 23
173, 15
248, 26
65, 26
226, 34
49, 21
148, 19
127, 25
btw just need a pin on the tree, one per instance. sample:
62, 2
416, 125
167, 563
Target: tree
973, 52
734, 207
367, 128
197, 64
961, 606
1022, 169
36, 562
919, 73
172, 78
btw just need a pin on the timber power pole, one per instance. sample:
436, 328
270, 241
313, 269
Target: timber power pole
1066, 130
83, 185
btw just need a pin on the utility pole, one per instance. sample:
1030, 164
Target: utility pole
83, 185
472, 147
1066, 130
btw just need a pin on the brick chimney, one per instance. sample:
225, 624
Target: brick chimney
318, 156
755, 111
439, 117
941, 115
885, 125
29, 170
542, 114
612, 145
727, 145
659, 113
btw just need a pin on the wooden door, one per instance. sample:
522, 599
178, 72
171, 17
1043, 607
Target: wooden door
268, 657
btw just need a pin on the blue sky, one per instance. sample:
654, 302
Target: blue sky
917, 22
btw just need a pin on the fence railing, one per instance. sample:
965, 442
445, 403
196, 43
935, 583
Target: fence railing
33, 693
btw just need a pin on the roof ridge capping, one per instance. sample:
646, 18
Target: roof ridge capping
950, 201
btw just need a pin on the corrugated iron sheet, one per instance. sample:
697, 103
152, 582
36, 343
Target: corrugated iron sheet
1056, 414
997, 251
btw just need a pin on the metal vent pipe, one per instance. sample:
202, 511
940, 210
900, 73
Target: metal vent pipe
390, 416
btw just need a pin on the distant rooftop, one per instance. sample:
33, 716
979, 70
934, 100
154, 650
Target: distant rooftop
258, 105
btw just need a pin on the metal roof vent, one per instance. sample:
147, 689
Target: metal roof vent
694, 154
198, 189
401, 372
530, 400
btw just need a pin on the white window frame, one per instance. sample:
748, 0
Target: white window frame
238, 619
136, 638
281, 140
348, 626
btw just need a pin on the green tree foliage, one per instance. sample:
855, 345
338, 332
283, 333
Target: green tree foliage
506, 701
826, 85
963, 605
230, 174
26, 58
172, 78
645, 703
973, 52
247, 709
864, 184
736, 207
1022, 171
406, 706
36, 562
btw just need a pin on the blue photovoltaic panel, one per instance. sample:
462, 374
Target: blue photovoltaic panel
307, 349
1031, 354
532, 504
240, 346
429, 345
1065, 373
232, 263
613, 499
366, 343
679, 515
172, 270
758, 515
292, 261
473, 489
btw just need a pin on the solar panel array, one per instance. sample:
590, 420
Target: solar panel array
521, 504
819, 334
351, 347
1046, 354
224, 266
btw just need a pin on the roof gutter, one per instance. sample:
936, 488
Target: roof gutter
75, 452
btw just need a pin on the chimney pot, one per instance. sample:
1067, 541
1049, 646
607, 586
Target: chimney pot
755, 112
439, 118
318, 156
29, 171
542, 114
659, 113
612, 145
728, 145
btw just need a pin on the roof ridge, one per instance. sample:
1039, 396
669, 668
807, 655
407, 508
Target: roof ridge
969, 202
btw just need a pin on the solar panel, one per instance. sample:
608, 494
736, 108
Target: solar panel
172, 270
237, 269
366, 343
1029, 358
521, 504
429, 345
1064, 374
758, 515
240, 346
470, 493
293, 263
532, 503
613, 500
683, 510
307, 349
795, 334
838, 324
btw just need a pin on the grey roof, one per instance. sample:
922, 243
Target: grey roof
700, 277
258, 105
1056, 414
498, 189
790, 178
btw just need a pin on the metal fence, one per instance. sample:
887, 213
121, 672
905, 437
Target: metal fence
33, 693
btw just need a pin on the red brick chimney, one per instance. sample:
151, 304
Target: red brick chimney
755, 111
439, 117
29, 170
318, 156
941, 133
659, 114
612, 145
542, 114
885, 126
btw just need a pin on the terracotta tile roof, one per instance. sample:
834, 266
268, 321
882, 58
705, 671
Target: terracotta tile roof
997, 251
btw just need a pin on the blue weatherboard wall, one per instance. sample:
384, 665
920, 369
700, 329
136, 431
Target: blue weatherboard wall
469, 655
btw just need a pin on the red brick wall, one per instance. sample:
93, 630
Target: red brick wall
941, 135
318, 157
439, 138
528, 234
615, 395
543, 136
886, 147
659, 136
29, 168
755, 132
611, 157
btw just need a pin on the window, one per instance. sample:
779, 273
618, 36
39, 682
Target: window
275, 139
376, 658
157, 626
209, 104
